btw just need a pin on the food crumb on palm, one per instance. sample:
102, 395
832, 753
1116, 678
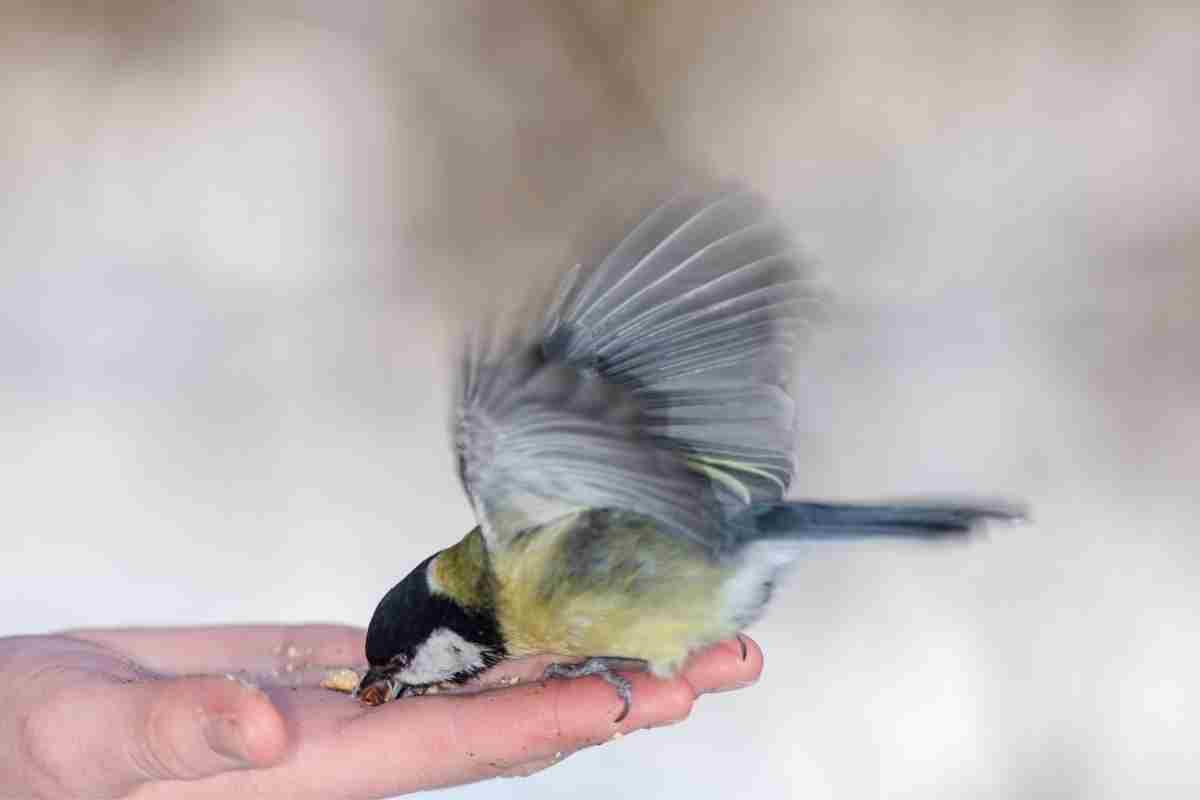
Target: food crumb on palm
341, 680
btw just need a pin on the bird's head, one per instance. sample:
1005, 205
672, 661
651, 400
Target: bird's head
437, 625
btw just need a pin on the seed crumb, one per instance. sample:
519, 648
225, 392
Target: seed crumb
340, 680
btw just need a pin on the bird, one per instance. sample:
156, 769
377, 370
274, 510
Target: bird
627, 450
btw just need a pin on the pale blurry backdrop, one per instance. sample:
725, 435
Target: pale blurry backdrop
237, 242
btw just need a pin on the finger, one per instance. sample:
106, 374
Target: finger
108, 737
510, 673
446, 740
532, 767
722, 668
262, 651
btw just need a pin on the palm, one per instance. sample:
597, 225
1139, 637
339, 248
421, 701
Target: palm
304, 739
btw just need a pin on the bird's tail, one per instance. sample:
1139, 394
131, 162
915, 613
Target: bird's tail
837, 521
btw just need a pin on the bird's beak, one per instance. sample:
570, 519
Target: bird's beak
377, 687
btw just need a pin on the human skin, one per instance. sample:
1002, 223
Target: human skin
238, 711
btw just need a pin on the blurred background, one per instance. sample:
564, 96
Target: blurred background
237, 242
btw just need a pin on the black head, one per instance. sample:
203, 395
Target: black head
421, 634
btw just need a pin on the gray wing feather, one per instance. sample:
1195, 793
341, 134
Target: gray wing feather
658, 382
537, 440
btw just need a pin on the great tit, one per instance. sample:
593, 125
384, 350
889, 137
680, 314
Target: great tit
626, 459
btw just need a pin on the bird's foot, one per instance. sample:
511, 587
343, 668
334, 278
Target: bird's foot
603, 667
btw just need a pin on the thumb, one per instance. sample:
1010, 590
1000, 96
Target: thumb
192, 727
116, 736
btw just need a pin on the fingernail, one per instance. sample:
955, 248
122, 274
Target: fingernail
226, 736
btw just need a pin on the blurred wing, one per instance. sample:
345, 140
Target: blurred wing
696, 313
537, 440
658, 382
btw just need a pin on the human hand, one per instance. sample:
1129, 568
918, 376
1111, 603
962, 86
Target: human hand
151, 713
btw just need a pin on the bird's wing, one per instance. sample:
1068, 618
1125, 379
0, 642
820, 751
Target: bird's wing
537, 440
658, 381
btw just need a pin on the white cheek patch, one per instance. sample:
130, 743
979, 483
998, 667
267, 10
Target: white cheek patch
442, 655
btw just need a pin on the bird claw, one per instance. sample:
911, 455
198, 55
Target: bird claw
601, 667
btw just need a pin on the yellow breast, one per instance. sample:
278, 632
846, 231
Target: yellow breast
608, 584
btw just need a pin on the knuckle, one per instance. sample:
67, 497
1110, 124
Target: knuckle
156, 754
680, 698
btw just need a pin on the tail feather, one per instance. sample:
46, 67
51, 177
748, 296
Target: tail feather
836, 521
